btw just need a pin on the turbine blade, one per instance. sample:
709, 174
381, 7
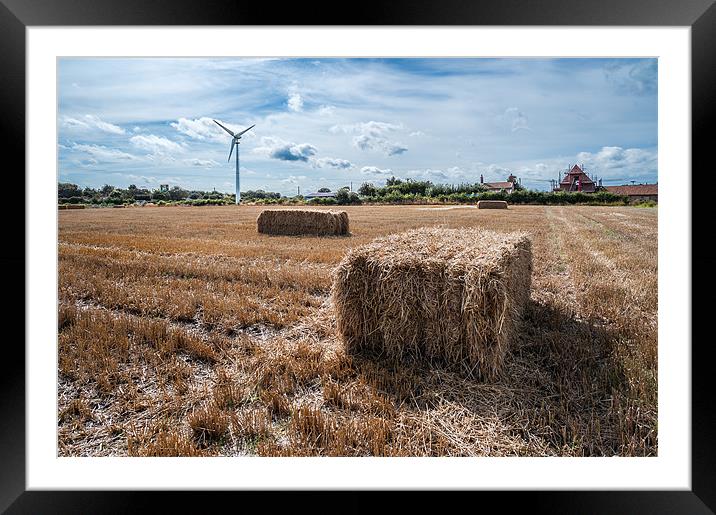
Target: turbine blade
227, 130
232, 149
245, 130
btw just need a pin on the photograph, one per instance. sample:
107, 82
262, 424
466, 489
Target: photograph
357, 256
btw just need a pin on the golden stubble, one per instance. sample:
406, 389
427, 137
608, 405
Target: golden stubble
185, 332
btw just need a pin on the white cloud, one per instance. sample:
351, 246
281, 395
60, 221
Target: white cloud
277, 148
295, 102
516, 118
373, 136
91, 122
102, 153
435, 176
326, 110
161, 159
156, 145
142, 180
495, 172
292, 179
374, 171
332, 162
372, 128
204, 163
88, 163
365, 142
205, 129
619, 162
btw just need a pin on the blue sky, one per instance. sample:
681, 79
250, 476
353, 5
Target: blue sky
327, 122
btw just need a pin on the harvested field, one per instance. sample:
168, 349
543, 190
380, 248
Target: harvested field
451, 296
184, 332
293, 222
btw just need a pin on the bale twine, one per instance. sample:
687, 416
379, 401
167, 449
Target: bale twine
491, 204
452, 296
302, 221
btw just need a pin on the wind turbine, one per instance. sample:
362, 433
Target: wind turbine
235, 141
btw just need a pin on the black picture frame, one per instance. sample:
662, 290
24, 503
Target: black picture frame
700, 15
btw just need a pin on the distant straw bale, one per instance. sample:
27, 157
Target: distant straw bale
342, 217
491, 204
452, 296
302, 221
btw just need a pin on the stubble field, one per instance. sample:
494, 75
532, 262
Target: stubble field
184, 332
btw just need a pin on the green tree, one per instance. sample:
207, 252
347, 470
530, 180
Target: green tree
324, 190
342, 196
67, 190
177, 193
345, 196
367, 189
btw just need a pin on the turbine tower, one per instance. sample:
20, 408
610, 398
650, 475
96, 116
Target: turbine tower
235, 141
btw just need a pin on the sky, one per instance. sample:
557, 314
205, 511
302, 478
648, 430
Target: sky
327, 122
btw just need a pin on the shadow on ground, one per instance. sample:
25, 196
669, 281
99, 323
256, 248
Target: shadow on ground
556, 388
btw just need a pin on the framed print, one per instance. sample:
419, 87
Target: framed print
433, 257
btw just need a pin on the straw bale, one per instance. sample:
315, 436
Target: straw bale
302, 221
491, 204
343, 224
451, 296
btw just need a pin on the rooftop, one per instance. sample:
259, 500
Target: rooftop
634, 189
498, 185
576, 170
321, 194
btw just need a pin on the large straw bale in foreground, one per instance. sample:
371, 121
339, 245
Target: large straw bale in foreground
302, 221
491, 204
453, 296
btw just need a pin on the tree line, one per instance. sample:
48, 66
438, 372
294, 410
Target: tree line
395, 191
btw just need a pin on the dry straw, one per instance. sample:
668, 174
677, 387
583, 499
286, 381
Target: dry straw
452, 296
303, 221
491, 204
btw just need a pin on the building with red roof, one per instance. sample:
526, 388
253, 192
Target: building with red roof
637, 192
576, 180
506, 187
